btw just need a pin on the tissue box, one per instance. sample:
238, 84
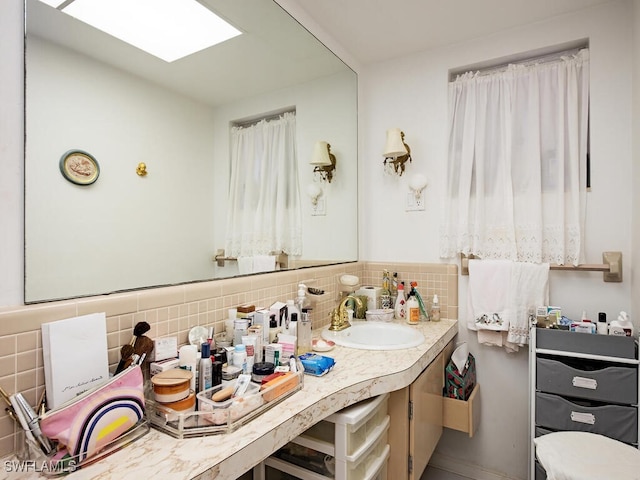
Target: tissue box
460, 385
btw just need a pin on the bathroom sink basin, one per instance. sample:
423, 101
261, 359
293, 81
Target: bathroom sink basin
375, 336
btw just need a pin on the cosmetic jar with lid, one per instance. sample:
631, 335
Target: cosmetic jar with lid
230, 372
171, 385
261, 370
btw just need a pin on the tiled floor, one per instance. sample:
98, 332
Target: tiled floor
436, 474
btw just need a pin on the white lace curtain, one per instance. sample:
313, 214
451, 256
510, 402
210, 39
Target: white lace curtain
516, 180
264, 197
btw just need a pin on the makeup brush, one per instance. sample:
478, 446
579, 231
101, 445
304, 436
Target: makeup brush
141, 343
125, 355
143, 346
140, 329
142, 349
127, 351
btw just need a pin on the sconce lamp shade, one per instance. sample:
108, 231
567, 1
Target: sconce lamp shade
321, 155
324, 161
395, 146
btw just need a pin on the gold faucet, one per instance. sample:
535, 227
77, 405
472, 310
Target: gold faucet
340, 317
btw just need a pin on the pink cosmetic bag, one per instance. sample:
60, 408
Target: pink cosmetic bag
86, 424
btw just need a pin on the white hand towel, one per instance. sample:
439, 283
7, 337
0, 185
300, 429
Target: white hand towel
529, 288
488, 296
245, 265
589, 456
264, 263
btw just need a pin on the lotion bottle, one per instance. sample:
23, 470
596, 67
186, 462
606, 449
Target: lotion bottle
602, 324
293, 324
274, 329
240, 357
291, 309
205, 372
304, 332
435, 309
413, 309
188, 358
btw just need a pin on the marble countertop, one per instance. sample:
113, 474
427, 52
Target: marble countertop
357, 375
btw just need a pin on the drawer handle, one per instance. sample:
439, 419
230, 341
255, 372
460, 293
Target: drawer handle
581, 417
583, 382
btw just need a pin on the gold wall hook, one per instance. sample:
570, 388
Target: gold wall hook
141, 169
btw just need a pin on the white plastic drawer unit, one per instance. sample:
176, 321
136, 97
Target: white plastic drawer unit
588, 379
351, 444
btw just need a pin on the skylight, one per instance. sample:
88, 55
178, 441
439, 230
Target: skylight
167, 29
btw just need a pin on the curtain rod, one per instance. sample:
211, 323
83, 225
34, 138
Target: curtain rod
282, 259
545, 58
255, 120
611, 266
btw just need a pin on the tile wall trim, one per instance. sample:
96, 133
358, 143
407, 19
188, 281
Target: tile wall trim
174, 310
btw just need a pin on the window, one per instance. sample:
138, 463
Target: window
517, 161
264, 199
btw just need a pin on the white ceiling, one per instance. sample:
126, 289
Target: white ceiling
274, 52
376, 30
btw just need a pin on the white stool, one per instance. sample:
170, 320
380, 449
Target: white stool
586, 456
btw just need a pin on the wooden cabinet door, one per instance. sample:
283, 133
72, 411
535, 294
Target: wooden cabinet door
426, 424
416, 422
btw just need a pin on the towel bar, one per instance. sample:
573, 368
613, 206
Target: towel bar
611, 266
282, 259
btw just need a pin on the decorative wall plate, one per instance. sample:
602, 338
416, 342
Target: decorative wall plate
79, 167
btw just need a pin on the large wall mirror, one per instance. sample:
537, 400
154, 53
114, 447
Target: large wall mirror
88, 91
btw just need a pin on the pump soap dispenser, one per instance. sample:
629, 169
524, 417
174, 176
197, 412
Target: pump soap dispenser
302, 301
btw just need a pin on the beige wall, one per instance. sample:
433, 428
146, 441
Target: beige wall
175, 310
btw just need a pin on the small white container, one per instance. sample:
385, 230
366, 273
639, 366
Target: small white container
380, 315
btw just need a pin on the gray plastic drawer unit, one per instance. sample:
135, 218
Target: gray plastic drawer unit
617, 384
619, 422
606, 345
582, 382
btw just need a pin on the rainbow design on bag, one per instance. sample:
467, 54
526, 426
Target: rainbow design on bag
106, 423
90, 422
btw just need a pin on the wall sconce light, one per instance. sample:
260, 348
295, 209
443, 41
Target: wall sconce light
324, 161
415, 200
396, 152
317, 204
